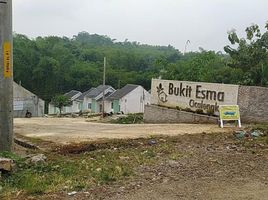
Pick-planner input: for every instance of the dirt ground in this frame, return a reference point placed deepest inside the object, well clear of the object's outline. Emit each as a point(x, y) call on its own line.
point(216, 170)
point(212, 166)
point(68, 130)
point(215, 166)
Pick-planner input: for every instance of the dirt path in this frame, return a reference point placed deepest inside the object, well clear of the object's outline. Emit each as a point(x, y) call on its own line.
point(66, 130)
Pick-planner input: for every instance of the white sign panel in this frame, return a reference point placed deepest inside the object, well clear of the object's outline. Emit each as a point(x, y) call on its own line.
point(193, 95)
point(17, 105)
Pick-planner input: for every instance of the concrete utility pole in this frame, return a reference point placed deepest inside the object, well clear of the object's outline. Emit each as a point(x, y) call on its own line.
point(103, 92)
point(186, 44)
point(6, 76)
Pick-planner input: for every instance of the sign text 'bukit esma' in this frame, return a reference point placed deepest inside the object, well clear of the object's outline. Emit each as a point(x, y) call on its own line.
point(193, 95)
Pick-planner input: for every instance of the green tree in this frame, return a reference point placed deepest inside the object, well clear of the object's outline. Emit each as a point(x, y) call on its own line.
point(59, 101)
point(199, 66)
point(250, 54)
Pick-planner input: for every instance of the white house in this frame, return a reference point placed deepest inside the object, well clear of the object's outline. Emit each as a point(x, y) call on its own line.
point(73, 108)
point(24, 100)
point(92, 99)
point(76, 103)
point(86, 100)
point(129, 99)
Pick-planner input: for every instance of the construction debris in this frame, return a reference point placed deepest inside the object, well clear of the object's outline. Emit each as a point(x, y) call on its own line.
point(248, 134)
point(37, 159)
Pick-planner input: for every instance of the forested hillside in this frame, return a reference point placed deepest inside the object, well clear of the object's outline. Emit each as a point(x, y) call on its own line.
point(54, 65)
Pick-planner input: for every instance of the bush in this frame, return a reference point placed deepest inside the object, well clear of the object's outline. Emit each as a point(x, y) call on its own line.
point(199, 111)
point(130, 119)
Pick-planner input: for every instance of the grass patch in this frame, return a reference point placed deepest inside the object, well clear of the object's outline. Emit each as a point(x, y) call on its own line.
point(262, 127)
point(10, 155)
point(262, 140)
point(81, 169)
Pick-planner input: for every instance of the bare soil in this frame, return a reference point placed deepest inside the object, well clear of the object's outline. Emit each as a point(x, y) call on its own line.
point(214, 166)
point(70, 130)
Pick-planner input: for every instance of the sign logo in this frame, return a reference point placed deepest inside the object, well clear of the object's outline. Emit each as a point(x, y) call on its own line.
point(162, 96)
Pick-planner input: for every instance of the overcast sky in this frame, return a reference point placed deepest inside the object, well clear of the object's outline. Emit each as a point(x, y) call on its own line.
point(159, 22)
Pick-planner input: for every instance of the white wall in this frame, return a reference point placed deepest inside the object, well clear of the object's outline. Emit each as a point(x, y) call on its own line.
point(135, 101)
point(52, 109)
point(107, 104)
point(86, 101)
point(25, 100)
point(74, 108)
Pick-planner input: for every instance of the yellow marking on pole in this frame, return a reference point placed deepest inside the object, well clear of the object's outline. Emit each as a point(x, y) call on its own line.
point(7, 60)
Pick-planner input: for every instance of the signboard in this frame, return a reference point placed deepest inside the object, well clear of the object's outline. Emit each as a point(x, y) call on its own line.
point(229, 112)
point(193, 95)
point(17, 105)
point(7, 60)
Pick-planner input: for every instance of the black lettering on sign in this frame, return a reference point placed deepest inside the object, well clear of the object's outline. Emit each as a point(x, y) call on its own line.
point(221, 96)
point(170, 89)
point(182, 90)
point(211, 95)
point(191, 103)
point(198, 92)
point(4, 2)
point(176, 91)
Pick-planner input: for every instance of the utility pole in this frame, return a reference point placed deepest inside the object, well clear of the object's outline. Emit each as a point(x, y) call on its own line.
point(103, 92)
point(6, 76)
point(186, 44)
point(119, 84)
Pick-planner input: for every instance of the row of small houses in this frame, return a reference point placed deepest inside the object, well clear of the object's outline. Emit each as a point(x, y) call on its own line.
point(129, 99)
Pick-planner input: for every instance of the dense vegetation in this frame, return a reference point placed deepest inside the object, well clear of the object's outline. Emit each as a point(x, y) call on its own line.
point(53, 65)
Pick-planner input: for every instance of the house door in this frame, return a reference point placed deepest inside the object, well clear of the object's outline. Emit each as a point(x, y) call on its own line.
point(116, 106)
point(100, 107)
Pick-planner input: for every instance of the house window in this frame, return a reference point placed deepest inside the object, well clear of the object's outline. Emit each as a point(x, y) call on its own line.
point(89, 105)
point(112, 105)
